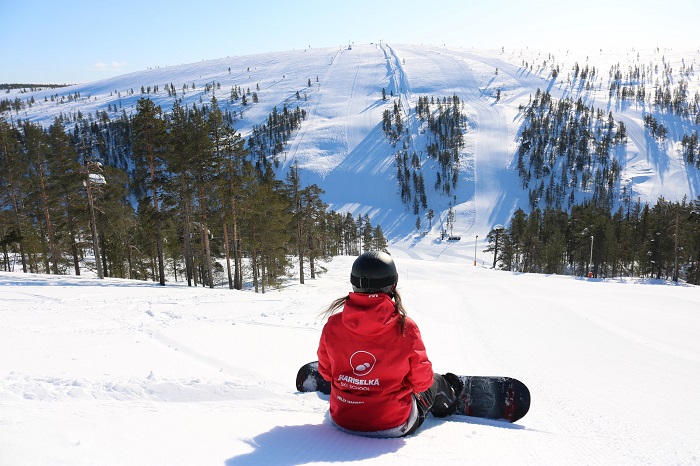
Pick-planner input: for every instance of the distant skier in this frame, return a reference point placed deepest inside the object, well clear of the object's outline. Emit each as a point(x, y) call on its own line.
point(382, 382)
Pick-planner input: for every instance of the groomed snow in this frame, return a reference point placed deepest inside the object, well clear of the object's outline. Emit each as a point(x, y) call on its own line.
point(125, 372)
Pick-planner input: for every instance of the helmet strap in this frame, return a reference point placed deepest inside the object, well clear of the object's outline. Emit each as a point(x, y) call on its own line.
point(364, 282)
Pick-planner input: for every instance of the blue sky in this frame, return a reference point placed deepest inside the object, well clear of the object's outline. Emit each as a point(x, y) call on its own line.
point(71, 41)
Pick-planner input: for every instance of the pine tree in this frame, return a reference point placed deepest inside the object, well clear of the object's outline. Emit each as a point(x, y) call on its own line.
point(516, 234)
point(267, 219)
point(205, 166)
point(85, 140)
point(294, 187)
point(350, 235)
point(450, 219)
point(12, 186)
point(379, 241)
point(115, 222)
point(66, 183)
point(234, 168)
point(367, 232)
point(180, 192)
point(149, 151)
point(37, 151)
point(314, 225)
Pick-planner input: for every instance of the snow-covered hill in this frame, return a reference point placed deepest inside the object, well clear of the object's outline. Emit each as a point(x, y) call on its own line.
point(342, 148)
point(126, 372)
point(117, 372)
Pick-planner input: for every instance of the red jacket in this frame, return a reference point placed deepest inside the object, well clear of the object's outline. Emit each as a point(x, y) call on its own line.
point(372, 367)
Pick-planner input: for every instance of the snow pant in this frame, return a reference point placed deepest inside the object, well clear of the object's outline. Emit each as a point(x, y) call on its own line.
point(440, 400)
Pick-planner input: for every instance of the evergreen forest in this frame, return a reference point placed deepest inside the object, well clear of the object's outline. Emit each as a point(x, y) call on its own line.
point(181, 195)
point(157, 196)
point(660, 241)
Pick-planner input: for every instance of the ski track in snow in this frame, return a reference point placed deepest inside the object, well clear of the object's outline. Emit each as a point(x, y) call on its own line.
point(342, 148)
point(125, 372)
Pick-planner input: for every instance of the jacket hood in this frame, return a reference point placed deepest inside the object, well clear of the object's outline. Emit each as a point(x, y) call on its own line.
point(369, 314)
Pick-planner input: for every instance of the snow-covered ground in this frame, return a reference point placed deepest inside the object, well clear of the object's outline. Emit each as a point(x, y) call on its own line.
point(118, 372)
point(126, 372)
point(341, 146)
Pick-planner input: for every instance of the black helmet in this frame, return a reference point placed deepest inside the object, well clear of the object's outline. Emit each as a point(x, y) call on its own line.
point(373, 272)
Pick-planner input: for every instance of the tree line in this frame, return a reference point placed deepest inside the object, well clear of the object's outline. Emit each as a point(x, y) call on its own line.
point(659, 241)
point(181, 196)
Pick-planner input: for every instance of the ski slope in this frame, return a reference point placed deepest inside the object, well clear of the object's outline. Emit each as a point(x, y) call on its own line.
point(341, 145)
point(119, 372)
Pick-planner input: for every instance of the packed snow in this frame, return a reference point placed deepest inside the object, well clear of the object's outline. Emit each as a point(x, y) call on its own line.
point(128, 372)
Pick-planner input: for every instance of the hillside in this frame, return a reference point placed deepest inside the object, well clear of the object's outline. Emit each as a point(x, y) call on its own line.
point(341, 145)
point(127, 372)
point(124, 371)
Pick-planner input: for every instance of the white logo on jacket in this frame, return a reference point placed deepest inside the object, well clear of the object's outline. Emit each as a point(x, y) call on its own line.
point(362, 363)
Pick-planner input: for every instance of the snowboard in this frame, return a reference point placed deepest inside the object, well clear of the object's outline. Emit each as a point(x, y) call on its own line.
point(497, 398)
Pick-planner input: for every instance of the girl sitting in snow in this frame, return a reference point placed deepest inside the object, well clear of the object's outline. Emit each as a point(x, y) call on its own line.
point(382, 382)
